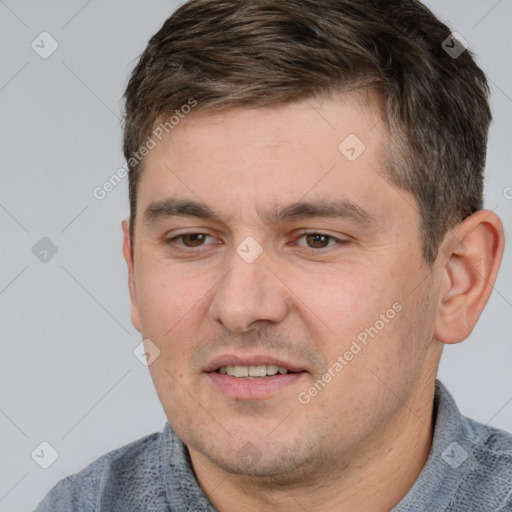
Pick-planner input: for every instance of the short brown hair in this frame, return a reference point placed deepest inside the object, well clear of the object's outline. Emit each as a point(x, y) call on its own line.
point(251, 53)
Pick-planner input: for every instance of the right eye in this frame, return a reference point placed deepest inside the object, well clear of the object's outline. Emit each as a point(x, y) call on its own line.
point(185, 241)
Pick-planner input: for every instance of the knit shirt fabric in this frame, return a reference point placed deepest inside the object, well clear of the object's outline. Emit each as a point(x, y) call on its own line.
point(469, 469)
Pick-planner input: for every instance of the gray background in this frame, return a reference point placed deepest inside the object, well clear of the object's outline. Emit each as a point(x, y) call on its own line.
point(69, 376)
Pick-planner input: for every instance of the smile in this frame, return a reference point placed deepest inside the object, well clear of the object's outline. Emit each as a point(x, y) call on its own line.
point(252, 372)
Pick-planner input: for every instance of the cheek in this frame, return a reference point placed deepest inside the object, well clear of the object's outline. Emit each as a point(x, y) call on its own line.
point(343, 303)
point(166, 295)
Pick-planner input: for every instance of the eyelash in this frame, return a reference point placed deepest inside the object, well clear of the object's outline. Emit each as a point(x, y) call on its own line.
point(190, 250)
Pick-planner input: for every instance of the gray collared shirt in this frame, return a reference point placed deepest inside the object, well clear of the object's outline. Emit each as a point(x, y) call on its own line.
point(469, 469)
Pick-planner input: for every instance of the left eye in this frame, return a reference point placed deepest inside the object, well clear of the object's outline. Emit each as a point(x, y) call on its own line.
point(318, 240)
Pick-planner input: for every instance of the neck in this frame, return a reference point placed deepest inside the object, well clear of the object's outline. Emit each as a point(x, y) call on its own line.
point(374, 477)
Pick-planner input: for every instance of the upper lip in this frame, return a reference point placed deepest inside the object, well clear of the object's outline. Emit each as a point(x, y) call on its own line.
point(256, 360)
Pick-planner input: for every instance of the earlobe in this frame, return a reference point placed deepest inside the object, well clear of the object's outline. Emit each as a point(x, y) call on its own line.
point(130, 262)
point(470, 260)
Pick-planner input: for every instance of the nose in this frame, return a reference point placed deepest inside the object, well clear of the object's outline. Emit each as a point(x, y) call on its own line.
point(248, 295)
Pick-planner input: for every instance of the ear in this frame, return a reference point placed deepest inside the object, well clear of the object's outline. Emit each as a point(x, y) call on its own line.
point(129, 258)
point(470, 258)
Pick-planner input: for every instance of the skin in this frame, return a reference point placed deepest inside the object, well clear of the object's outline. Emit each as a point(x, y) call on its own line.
point(360, 443)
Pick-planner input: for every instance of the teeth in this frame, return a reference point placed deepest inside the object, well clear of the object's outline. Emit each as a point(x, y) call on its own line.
point(272, 369)
point(238, 371)
point(252, 371)
point(256, 371)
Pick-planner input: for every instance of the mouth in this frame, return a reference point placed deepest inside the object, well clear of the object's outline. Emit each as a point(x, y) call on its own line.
point(253, 372)
point(252, 378)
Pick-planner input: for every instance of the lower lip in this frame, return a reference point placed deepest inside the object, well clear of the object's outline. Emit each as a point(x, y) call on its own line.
point(253, 389)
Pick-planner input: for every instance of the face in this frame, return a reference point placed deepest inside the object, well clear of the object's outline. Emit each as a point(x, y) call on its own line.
point(269, 240)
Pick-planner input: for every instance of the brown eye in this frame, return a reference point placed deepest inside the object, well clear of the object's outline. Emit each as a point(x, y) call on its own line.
point(193, 239)
point(317, 241)
point(190, 243)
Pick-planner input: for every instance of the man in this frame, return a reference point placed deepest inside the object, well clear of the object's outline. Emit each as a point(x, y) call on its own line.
point(306, 233)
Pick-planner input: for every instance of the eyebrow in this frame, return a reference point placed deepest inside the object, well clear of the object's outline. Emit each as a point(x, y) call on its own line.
point(325, 208)
point(318, 208)
point(171, 207)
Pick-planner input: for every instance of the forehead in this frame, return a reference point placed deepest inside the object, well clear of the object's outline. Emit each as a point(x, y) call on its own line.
point(257, 158)
point(305, 121)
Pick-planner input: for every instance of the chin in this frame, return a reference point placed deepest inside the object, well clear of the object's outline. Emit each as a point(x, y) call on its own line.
point(279, 460)
point(269, 467)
